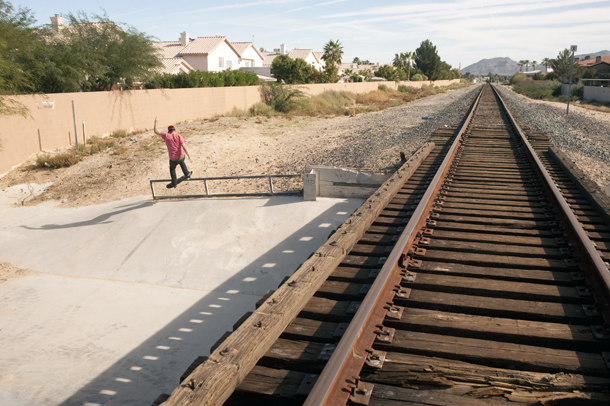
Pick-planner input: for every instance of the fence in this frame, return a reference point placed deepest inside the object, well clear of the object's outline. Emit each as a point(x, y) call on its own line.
point(51, 124)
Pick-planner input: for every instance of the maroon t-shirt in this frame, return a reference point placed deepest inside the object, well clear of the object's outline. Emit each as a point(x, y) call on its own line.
point(174, 143)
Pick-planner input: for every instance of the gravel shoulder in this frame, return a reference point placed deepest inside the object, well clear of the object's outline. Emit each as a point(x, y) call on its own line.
point(584, 135)
point(246, 146)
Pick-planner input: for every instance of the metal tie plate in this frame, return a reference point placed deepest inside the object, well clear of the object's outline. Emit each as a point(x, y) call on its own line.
point(340, 330)
point(307, 384)
point(326, 352)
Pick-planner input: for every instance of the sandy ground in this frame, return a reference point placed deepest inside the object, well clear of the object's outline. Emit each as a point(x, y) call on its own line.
point(221, 147)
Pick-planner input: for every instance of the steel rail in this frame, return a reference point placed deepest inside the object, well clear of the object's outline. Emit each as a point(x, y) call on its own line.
point(348, 357)
point(272, 192)
point(586, 247)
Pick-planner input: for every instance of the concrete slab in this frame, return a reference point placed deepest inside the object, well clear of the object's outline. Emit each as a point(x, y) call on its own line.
point(128, 294)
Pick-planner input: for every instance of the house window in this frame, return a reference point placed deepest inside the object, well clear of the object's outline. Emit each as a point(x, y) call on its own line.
point(221, 62)
point(248, 63)
point(229, 64)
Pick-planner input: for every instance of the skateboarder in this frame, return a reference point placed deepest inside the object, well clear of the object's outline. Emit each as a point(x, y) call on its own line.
point(175, 145)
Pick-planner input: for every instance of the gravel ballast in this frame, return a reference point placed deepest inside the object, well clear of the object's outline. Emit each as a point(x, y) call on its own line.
point(374, 141)
point(584, 135)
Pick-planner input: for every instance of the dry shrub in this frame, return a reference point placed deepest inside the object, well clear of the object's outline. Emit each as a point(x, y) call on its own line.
point(95, 145)
point(331, 103)
point(236, 112)
point(261, 109)
point(119, 134)
point(60, 160)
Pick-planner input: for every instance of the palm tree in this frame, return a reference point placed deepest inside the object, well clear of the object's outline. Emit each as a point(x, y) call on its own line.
point(409, 59)
point(399, 61)
point(333, 51)
point(527, 64)
point(534, 65)
point(546, 62)
point(521, 63)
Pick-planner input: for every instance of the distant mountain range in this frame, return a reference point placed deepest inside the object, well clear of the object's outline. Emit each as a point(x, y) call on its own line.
point(500, 66)
point(506, 66)
point(593, 55)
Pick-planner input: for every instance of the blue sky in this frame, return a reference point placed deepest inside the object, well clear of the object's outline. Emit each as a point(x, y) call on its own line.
point(463, 31)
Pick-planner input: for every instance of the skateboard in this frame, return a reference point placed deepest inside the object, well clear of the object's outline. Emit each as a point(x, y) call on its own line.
point(178, 181)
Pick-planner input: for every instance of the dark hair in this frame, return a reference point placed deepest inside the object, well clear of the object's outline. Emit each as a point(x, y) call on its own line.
point(171, 128)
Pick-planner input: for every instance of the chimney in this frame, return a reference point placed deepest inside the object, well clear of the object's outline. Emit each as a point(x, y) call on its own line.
point(57, 22)
point(184, 38)
point(576, 60)
point(598, 59)
point(283, 49)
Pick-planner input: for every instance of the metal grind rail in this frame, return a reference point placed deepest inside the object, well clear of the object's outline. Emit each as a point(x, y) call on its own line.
point(494, 303)
point(272, 191)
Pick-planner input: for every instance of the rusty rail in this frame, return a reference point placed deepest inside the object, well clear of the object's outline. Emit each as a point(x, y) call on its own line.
point(353, 349)
point(586, 248)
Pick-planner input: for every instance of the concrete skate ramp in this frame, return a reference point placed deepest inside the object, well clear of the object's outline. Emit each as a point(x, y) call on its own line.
point(126, 295)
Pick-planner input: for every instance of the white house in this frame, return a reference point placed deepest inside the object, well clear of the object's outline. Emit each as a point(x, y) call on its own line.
point(314, 59)
point(211, 54)
point(250, 57)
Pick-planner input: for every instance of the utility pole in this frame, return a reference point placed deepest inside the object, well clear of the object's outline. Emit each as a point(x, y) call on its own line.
point(573, 49)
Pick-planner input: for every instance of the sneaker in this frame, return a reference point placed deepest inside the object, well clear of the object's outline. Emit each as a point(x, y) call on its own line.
point(188, 175)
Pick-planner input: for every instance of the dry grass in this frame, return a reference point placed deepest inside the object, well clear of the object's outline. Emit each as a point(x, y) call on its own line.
point(603, 107)
point(333, 103)
point(60, 160)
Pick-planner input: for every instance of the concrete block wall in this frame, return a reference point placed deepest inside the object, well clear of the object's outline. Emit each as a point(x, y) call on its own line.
point(329, 181)
point(597, 93)
point(105, 112)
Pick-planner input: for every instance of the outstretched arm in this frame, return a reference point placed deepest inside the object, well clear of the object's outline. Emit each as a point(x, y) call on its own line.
point(156, 132)
point(187, 153)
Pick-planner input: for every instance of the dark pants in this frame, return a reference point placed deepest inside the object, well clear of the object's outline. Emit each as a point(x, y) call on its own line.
point(172, 168)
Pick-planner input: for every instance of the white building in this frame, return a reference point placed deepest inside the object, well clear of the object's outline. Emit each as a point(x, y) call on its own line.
point(250, 57)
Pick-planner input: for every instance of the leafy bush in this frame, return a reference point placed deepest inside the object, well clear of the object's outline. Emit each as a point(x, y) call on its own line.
point(518, 77)
point(544, 92)
point(383, 88)
point(405, 89)
point(203, 79)
point(280, 97)
point(418, 77)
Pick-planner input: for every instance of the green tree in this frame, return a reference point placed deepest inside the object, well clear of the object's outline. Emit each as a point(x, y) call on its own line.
point(109, 53)
point(18, 43)
point(546, 62)
point(333, 52)
point(366, 73)
point(409, 59)
point(399, 61)
point(534, 65)
point(427, 59)
point(291, 70)
point(356, 60)
point(521, 63)
point(561, 66)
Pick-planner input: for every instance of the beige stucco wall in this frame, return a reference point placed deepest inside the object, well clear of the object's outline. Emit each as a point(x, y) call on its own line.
point(105, 112)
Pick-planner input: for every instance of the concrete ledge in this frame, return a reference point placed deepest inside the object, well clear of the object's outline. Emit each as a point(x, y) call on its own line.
point(330, 181)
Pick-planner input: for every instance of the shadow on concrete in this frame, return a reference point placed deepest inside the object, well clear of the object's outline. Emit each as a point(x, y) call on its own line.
point(155, 366)
point(101, 219)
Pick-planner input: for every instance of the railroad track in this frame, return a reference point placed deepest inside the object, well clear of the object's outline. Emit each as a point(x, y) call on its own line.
point(480, 280)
